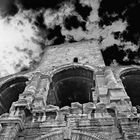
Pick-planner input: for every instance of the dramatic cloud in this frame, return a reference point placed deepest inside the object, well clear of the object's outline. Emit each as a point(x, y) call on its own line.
point(27, 27)
point(19, 44)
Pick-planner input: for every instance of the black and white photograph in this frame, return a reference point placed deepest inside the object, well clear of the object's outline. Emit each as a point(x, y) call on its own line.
point(69, 69)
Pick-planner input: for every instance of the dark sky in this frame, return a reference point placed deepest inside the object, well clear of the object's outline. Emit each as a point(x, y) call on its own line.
point(113, 23)
point(109, 11)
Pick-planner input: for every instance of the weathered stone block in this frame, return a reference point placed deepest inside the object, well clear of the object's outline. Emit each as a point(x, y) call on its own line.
point(76, 108)
point(62, 113)
point(88, 107)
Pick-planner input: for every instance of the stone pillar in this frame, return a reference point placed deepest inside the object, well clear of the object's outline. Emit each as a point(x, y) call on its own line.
point(88, 108)
point(31, 89)
point(42, 91)
point(63, 113)
point(110, 80)
point(101, 89)
point(115, 90)
point(44, 85)
point(39, 102)
point(76, 108)
point(33, 85)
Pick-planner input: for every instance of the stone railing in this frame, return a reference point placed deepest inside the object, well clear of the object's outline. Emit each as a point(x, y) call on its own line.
point(87, 110)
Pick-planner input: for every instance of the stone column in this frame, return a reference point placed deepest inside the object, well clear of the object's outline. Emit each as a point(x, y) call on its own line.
point(115, 90)
point(33, 85)
point(101, 89)
point(88, 108)
point(43, 87)
point(110, 80)
point(39, 102)
point(62, 113)
point(76, 108)
point(31, 89)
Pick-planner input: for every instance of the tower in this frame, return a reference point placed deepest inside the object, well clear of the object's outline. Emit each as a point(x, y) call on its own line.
point(71, 95)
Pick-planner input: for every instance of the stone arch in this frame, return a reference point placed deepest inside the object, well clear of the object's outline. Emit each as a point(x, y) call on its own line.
point(71, 65)
point(75, 135)
point(71, 84)
point(131, 80)
point(9, 92)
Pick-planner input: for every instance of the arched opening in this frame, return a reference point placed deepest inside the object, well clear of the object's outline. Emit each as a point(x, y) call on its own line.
point(75, 60)
point(9, 92)
point(131, 82)
point(71, 85)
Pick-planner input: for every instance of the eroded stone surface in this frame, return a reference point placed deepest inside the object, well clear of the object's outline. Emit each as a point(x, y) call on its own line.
point(37, 114)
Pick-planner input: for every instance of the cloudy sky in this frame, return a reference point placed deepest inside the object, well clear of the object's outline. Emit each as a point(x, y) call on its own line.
point(27, 27)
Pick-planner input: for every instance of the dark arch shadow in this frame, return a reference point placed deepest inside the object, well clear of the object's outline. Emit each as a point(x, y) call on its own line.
point(131, 82)
point(71, 85)
point(9, 92)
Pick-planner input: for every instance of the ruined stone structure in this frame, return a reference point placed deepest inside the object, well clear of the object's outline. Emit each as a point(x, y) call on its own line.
point(71, 95)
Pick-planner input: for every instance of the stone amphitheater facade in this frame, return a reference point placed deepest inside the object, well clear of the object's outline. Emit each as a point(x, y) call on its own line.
point(71, 95)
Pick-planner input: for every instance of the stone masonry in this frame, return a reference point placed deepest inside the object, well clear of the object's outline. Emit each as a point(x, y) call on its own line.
point(106, 113)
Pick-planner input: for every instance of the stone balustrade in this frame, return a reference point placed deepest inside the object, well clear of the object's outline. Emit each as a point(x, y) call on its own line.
point(87, 110)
